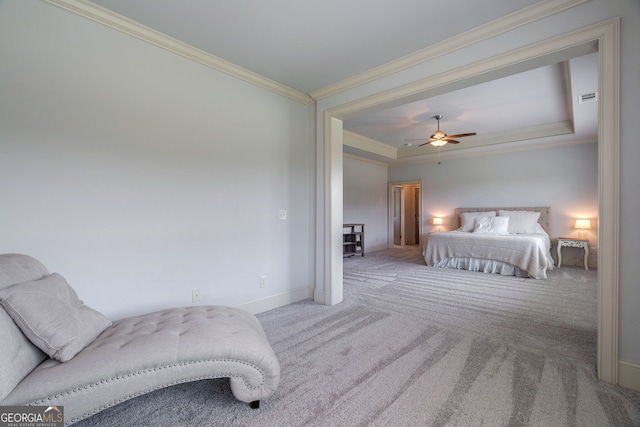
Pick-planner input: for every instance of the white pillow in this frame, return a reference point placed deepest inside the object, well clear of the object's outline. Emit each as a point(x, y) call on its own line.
point(521, 222)
point(540, 229)
point(468, 219)
point(492, 225)
point(50, 314)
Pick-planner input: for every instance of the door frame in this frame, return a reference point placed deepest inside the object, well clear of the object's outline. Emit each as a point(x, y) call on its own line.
point(394, 206)
point(418, 208)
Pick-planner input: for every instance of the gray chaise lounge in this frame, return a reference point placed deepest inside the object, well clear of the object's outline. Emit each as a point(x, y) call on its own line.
point(129, 357)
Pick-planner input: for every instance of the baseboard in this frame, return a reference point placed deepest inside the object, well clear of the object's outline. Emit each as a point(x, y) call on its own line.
point(279, 300)
point(318, 296)
point(629, 375)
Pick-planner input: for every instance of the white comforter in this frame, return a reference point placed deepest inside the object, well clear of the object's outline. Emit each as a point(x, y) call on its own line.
point(529, 252)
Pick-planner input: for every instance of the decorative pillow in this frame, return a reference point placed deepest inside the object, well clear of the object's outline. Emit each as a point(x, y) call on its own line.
point(50, 314)
point(493, 225)
point(521, 222)
point(468, 219)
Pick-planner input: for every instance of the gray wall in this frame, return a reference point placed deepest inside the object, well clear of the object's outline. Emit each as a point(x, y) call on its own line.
point(365, 200)
point(140, 175)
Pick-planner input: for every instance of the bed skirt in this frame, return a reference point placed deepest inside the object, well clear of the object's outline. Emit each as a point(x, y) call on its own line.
point(485, 266)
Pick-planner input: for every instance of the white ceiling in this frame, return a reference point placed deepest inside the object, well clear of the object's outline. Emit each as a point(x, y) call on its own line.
point(310, 45)
point(474, 109)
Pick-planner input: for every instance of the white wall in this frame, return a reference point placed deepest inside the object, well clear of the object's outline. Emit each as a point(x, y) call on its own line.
point(629, 292)
point(577, 17)
point(564, 178)
point(366, 200)
point(140, 175)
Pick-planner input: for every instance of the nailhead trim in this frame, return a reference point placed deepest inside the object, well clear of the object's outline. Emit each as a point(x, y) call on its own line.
point(151, 370)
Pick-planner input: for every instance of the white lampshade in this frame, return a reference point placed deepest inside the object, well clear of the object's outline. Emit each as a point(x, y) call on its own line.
point(437, 221)
point(583, 224)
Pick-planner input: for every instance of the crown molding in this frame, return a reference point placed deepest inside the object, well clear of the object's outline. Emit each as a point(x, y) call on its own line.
point(106, 17)
point(514, 20)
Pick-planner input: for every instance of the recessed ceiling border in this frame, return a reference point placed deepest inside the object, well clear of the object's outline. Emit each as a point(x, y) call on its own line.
point(507, 23)
point(489, 150)
point(360, 142)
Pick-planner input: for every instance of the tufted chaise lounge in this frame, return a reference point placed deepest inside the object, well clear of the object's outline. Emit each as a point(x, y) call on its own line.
point(134, 355)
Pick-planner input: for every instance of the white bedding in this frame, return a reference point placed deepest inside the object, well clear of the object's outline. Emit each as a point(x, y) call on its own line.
point(490, 252)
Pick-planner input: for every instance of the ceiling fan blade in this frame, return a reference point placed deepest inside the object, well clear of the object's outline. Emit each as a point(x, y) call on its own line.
point(452, 141)
point(418, 139)
point(428, 142)
point(460, 135)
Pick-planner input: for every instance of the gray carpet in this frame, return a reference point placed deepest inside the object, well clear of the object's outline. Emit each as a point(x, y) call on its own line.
point(418, 346)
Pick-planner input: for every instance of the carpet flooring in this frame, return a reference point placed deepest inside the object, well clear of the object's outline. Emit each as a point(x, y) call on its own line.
point(418, 346)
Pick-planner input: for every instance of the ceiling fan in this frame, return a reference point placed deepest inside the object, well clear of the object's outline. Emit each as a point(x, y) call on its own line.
point(439, 138)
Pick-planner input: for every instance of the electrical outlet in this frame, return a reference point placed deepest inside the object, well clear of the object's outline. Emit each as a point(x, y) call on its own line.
point(263, 281)
point(195, 295)
point(282, 214)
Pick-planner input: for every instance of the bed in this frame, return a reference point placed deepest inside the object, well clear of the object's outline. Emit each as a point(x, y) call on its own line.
point(507, 241)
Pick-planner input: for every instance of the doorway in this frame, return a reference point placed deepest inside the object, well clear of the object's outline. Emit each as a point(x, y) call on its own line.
point(606, 36)
point(405, 207)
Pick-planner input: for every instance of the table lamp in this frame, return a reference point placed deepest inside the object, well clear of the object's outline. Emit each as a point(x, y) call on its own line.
point(583, 225)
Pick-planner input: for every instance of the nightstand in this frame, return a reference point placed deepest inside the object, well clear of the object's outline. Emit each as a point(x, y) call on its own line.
point(567, 242)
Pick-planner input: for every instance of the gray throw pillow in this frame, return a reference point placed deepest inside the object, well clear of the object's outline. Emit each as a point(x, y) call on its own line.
point(50, 314)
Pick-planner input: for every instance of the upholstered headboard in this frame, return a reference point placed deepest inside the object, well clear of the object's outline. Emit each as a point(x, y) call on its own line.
point(544, 220)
